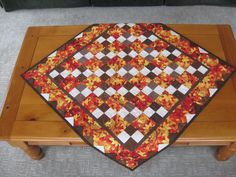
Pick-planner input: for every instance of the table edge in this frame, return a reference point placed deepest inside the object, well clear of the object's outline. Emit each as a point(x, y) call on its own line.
point(12, 100)
point(229, 46)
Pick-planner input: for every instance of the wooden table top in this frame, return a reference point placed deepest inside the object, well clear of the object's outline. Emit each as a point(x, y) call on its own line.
point(26, 117)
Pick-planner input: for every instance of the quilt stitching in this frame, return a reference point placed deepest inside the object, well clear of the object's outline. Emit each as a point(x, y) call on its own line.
point(166, 133)
point(109, 70)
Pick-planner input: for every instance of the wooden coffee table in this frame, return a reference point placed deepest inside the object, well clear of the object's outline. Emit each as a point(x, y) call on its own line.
point(28, 122)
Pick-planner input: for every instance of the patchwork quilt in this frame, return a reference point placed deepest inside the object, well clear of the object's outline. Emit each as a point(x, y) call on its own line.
point(129, 90)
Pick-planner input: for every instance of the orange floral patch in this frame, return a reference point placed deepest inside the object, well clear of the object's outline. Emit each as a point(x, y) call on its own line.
point(95, 47)
point(166, 100)
point(93, 64)
point(140, 81)
point(116, 63)
point(69, 83)
point(138, 62)
point(92, 82)
point(159, 45)
point(116, 32)
point(136, 30)
point(161, 62)
point(71, 64)
point(142, 101)
point(117, 124)
point(119, 99)
point(138, 46)
point(111, 102)
point(143, 124)
point(92, 102)
point(164, 80)
point(116, 47)
point(116, 81)
point(184, 61)
point(187, 79)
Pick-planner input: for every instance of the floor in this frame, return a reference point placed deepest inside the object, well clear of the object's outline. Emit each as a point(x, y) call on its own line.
point(75, 161)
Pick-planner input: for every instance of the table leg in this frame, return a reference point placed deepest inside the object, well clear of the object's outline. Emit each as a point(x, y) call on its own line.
point(35, 152)
point(225, 152)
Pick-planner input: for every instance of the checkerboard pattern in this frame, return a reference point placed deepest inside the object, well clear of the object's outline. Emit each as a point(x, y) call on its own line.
point(125, 75)
point(114, 84)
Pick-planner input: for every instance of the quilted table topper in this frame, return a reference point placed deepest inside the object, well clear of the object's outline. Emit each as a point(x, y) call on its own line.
point(129, 90)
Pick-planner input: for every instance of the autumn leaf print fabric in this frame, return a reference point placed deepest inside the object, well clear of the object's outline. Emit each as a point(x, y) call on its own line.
point(127, 89)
